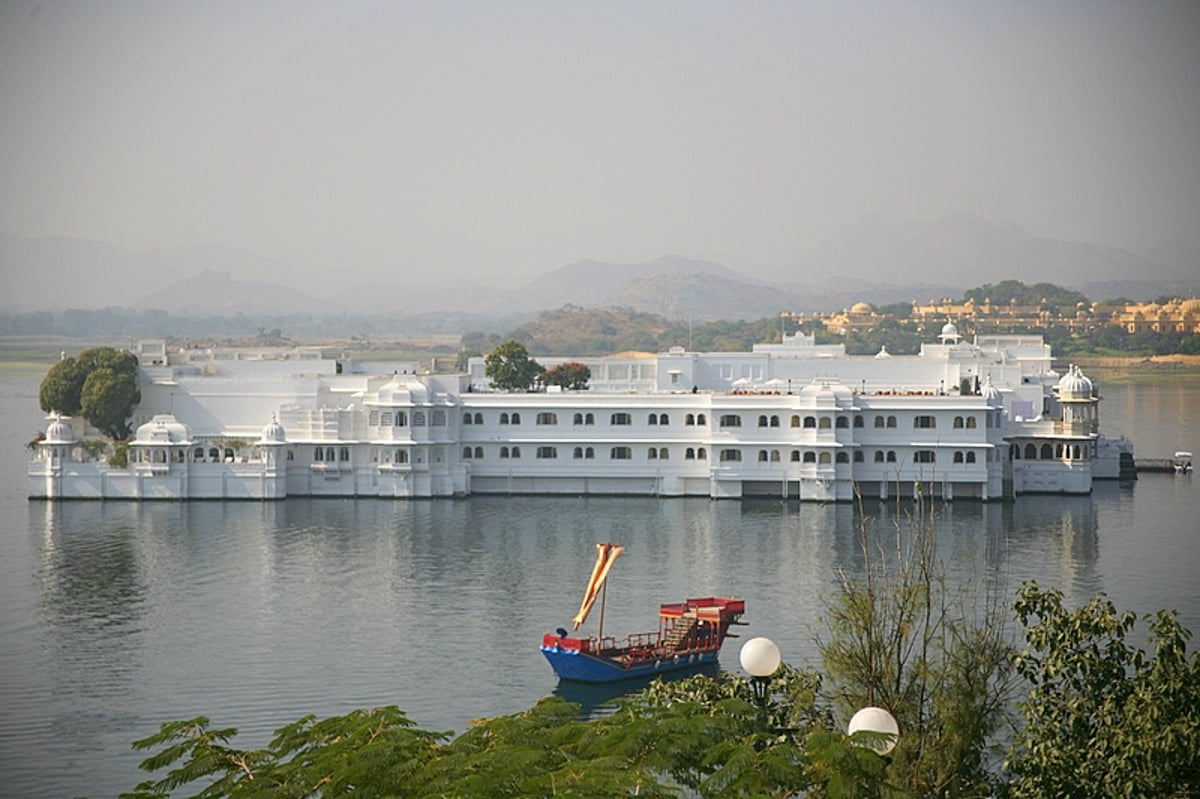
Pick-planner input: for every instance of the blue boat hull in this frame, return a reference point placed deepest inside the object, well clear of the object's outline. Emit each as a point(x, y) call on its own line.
point(570, 664)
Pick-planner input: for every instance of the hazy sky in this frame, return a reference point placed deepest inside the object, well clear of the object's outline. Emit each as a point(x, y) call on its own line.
point(458, 138)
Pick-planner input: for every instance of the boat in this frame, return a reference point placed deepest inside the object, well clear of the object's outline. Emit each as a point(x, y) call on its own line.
point(1183, 462)
point(689, 635)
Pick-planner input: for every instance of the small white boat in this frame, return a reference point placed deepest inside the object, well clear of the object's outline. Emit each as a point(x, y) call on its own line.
point(1183, 462)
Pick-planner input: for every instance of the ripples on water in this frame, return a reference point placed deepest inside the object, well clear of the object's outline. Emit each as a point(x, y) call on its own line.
point(119, 616)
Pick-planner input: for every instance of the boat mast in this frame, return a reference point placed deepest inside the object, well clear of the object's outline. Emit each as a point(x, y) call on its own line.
point(603, 600)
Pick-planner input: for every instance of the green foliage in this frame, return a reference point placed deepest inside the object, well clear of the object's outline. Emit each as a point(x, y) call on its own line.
point(1103, 718)
point(1007, 291)
point(120, 455)
point(100, 383)
point(899, 638)
point(510, 368)
point(570, 375)
point(107, 400)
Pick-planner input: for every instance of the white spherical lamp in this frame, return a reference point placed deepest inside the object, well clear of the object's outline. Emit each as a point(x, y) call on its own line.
point(876, 719)
point(760, 657)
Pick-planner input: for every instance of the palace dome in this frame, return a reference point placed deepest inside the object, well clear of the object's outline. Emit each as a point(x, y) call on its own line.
point(1074, 385)
point(163, 428)
point(860, 307)
point(949, 330)
point(273, 433)
point(59, 432)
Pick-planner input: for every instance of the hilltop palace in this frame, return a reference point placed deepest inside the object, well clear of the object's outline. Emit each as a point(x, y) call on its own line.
point(986, 420)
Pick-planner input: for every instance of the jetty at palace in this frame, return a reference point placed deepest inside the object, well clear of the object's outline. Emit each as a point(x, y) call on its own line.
point(986, 420)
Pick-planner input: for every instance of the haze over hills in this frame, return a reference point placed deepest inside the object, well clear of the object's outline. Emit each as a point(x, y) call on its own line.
point(869, 260)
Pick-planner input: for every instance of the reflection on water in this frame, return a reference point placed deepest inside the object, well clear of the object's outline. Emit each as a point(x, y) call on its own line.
point(119, 616)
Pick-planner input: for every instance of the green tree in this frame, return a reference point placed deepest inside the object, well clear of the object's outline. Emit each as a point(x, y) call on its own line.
point(900, 638)
point(1103, 718)
point(510, 368)
point(107, 401)
point(570, 375)
point(100, 383)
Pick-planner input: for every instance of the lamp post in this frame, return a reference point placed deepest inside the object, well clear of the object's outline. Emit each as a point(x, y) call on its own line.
point(876, 720)
point(760, 658)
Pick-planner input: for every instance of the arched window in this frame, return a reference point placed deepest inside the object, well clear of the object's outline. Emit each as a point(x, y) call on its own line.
point(795, 421)
point(958, 457)
point(402, 419)
point(858, 420)
point(478, 453)
point(730, 455)
point(810, 457)
point(843, 423)
point(810, 422)
point(401, 456)
point(762, 456)
point(689, 420)
point(701, 454)
point(1075, 451)
point(652, 454)
point(344, 454)
point(516, 419)
point(825, 423)
point(1031, 452)
point(879, 456)
point(1047, 452)
point(478, 418)
point(774, 456)
point(578, 453)
point(663, 419)
point(504, 453)
point(879, 421)
point(318, 454)
point(578, 419)
point(467, 453)
point(970, 422)
point(701, 420)
point(795, 456)
point(653, 419)
point(858, 456)
point(970, 457)
point(589, 453)
point(198, 454)
point(891, 456)
point(891, 421)
point(504, 418)
point(516, 452)
point(589, 418)
point(468, 419)
point(663, 454)
point(689, 454)
point(958, 422)
point(547, 418)
point(329, 455)
point(824, 457)
point(1058, 450)
point(762, 421)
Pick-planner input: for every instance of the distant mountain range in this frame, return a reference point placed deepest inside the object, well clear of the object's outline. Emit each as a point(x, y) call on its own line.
point(870, 260)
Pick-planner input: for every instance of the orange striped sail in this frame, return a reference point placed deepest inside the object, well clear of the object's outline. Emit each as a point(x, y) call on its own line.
point(606, 555)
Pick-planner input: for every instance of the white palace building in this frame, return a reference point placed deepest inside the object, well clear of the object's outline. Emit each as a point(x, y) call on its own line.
point(984, 420)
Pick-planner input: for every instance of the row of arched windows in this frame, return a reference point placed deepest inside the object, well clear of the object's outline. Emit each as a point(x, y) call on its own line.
point(1048, 452)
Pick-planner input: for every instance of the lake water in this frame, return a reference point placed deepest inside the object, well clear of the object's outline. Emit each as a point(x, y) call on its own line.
point(119, 616)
